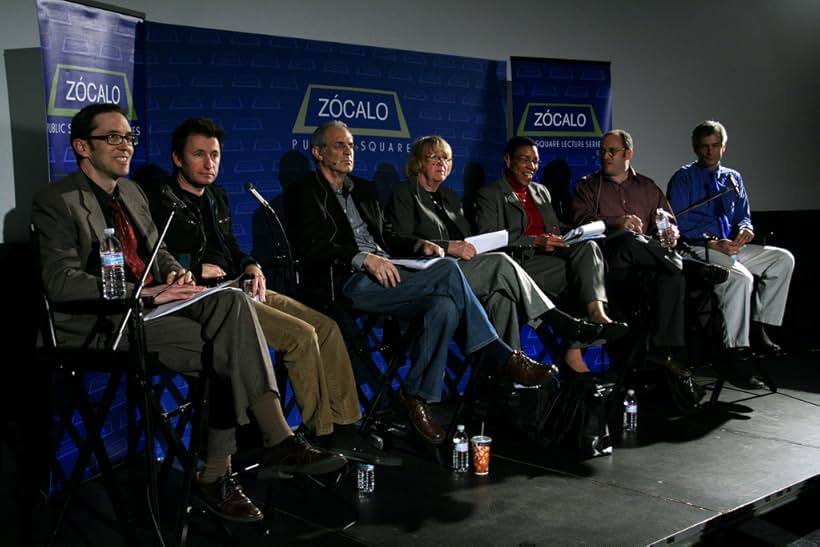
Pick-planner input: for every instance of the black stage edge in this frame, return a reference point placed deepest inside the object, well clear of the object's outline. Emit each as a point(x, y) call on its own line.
point(745, 471)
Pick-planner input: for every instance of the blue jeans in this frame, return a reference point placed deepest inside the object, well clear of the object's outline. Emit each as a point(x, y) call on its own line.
point(441, 297)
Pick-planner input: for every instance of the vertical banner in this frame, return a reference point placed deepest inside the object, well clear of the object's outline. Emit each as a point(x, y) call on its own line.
point(88, 57)
point(565, 107)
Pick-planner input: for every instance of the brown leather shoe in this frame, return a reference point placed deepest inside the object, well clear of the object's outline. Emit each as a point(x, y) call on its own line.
point(296, 455)
point(422, 419)
point(225, 499)
point(525, 371)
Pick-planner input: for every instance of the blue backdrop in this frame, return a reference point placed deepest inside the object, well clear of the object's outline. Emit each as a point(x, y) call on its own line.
point(269, 93)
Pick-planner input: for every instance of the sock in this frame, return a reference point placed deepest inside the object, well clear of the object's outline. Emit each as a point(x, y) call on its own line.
point(272, 423)
point(497, 351)
point(757, 330)
point(215, 467)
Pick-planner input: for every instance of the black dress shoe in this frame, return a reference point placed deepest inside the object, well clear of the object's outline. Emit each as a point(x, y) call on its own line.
point(766, 349)
point(225, 499)
point(614, 330)
point(296, 455)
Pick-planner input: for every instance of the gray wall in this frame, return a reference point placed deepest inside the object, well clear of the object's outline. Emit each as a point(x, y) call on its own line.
point(753, 64)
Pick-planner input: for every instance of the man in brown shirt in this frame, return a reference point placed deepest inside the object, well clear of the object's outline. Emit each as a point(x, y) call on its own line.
point(627, 202)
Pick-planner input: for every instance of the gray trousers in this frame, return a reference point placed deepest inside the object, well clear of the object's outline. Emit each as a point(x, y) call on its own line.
point(223, 325)
point(580, 266)
point(505, 290)
point(739, 301)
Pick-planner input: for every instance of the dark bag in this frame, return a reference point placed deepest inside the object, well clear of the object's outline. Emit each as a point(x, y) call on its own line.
point(570, 422)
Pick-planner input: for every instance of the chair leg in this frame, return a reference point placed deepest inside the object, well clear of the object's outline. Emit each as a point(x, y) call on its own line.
point(93, 444)
point(198, 426)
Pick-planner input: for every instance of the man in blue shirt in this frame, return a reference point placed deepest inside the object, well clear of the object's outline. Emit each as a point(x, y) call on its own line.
point(723, 230)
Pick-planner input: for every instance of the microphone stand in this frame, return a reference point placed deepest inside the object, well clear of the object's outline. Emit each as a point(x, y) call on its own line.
point(137, 340)
point(293, 272)
point(697, 205)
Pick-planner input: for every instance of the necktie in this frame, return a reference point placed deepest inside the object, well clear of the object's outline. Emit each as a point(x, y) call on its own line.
point(128, 241)
point(720, 211)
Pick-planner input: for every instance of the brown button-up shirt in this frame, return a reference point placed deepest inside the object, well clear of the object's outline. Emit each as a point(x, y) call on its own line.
point(596, 197)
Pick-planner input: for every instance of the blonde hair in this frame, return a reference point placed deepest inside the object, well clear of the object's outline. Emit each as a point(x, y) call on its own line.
point(423, 146)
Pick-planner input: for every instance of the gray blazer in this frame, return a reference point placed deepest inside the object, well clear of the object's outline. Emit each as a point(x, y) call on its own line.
point(497, 208)
point(412, 213)
point(70, 226)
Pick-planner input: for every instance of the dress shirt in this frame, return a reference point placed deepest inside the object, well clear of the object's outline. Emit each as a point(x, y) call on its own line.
point(691, 183)
point(597, 197)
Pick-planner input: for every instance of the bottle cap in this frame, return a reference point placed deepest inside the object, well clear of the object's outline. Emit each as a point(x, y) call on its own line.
point(630, 392)
point(460, 427)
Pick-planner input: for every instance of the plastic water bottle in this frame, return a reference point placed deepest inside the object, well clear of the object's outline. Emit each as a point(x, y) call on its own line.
point(366, 478)
point(663, 223)
point(461, 451)
point(113, 267)
point(630, 412)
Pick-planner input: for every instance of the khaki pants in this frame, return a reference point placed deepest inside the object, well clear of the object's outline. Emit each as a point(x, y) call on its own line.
point(316, 358)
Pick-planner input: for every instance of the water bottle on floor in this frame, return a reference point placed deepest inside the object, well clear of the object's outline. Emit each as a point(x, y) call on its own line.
point(113, 267)
point(630, 412)
point(461, 451)
point(366, 478)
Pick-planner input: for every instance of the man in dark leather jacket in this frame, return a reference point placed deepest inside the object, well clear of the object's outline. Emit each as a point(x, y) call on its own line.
point(201, 237)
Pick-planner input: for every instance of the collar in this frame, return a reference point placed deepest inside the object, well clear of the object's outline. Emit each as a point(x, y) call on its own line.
point(630, 174)
point(101, 194)
point(517, 188)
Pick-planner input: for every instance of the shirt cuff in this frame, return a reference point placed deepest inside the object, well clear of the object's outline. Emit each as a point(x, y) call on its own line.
point(357, 264)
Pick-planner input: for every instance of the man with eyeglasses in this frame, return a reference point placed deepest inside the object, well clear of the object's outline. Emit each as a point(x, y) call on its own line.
point(336, 224)
point(523, 207)
point(70, 216)
point(626, 201)
point(724, 225)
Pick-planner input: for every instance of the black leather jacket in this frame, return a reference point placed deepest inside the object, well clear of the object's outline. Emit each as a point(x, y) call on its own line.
point(186, 238)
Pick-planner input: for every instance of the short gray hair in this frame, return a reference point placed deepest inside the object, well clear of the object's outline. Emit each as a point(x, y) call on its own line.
point(318, 138)
point(709, 127)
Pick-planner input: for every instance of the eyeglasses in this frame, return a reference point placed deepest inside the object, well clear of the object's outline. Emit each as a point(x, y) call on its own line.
point(438, 159)
point(526, 160)
point(115, 139)
point(603, 152)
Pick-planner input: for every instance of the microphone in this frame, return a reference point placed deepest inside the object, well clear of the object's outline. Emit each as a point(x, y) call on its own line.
point(249, 187)
point(262, 201)
point(735, 187)
point(171, 198)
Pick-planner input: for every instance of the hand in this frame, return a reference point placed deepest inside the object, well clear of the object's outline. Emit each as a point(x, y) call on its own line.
point(383, 270)
point(743, 237)
point(171, 292)
point(428, 248)
point(549, 242)
point(212, 271)
point(461, 249)
point(181, 277)
point(725, 246)
point(630, 222)
point(258, 287)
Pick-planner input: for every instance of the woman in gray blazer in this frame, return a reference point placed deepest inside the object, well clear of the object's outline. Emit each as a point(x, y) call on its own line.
point(423, 208)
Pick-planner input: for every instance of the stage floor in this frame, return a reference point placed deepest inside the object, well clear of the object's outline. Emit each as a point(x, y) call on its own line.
point(685, 480)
